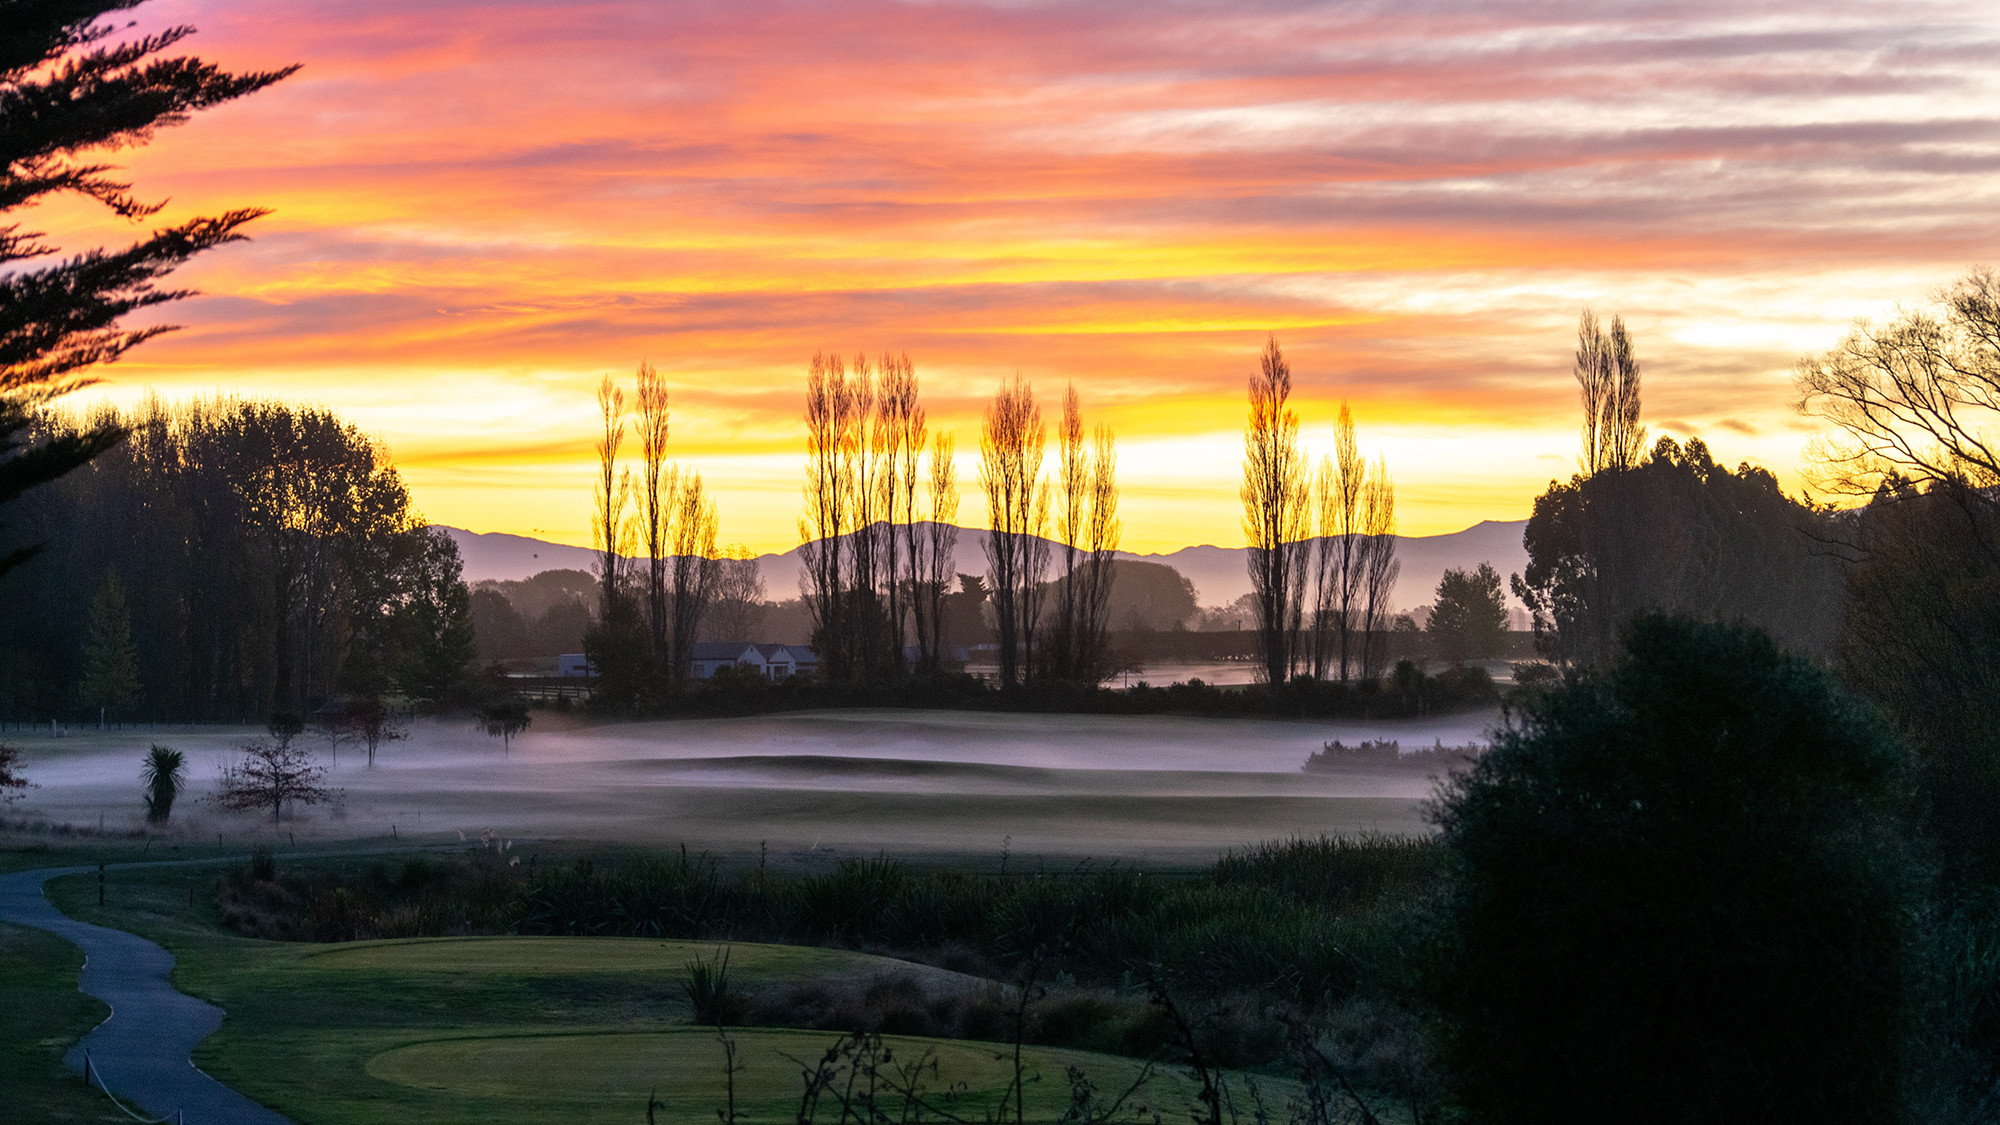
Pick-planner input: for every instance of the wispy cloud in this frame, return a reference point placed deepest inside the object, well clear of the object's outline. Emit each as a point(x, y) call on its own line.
point(482, 206)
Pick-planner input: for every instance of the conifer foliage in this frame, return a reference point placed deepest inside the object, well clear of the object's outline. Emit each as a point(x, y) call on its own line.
point(69, 93)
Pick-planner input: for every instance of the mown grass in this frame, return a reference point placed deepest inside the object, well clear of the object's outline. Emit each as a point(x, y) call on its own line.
point(41, 1014)
point(603, 1077)
point(412, 1029)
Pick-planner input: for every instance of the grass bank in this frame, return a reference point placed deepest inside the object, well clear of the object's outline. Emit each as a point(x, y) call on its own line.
point(41, 1015)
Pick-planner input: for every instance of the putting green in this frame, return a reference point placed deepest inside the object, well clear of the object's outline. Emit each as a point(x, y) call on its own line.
point(585, 1076)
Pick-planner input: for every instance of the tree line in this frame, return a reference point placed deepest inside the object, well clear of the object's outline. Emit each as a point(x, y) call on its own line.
point(878, 532)
point(228, 559)
point(1669, 530)
point(1898, 589)
point(878, 536)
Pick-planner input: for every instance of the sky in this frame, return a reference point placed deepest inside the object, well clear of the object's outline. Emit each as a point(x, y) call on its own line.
point(480, 209)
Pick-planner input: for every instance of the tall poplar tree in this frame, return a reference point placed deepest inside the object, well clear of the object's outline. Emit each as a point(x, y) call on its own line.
point(1276, 516)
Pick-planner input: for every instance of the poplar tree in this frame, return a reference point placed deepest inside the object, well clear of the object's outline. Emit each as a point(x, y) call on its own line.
point(67, 95)
point(1276, 515)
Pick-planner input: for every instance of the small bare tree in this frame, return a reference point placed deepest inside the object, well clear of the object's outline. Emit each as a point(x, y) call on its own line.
point(376, 723)
point(1101, 534)
point(1072, 509)
point(12, 785)
point(1342, 569)
point(272, 776)
point(335, 723)
point(899, 442)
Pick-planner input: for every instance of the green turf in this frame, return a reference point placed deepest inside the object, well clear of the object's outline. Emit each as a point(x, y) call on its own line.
point(605, 1077)
point(504, 1030)
point(41, 1015)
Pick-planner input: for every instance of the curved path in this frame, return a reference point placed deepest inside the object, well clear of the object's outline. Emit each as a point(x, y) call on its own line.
point(140, 1051)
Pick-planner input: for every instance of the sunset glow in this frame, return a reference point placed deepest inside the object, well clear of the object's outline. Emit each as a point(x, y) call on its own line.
point(480, 209)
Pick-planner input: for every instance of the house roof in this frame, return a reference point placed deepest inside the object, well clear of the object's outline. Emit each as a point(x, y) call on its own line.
point(745, 650)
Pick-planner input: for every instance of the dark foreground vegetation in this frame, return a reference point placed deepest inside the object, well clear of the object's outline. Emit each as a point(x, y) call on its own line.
point(1303, 927)
point(1708, 860)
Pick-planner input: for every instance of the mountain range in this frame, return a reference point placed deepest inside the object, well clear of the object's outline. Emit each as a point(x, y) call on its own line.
point(1220, 574)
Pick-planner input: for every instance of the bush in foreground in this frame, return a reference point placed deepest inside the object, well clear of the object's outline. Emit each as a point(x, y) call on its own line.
point(1682, 896)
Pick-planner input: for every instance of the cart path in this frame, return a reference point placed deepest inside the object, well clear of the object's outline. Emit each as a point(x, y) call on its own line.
point(141, 1050)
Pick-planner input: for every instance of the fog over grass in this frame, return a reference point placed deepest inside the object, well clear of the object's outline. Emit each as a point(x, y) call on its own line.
point(942, 782)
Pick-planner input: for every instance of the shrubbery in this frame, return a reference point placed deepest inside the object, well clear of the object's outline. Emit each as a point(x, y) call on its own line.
point(1305, 926)
point(1683, 894)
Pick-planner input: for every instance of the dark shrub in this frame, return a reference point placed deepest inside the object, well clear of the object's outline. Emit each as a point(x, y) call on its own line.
point(1683, 896)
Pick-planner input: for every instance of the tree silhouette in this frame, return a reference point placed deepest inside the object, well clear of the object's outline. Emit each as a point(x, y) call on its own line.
point(1469, 619)
point(69, 93)
point(1692, 864)
point(1277, 520)
point(273, 776)
point(12, 785)
point(111, 673)
point(164, 773)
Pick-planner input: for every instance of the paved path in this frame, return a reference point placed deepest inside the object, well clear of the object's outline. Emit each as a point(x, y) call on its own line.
point(141, 1051)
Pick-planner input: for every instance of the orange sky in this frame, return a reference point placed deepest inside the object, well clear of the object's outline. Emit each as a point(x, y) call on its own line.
point(480, 208)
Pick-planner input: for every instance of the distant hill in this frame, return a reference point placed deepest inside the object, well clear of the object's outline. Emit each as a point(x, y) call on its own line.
point(1220, 574)
point(510, 558)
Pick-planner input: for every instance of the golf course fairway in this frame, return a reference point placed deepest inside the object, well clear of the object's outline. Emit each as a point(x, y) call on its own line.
point(607, 1077)
point(521, 1030)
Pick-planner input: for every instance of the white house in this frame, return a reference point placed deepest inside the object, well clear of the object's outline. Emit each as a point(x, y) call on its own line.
point(773, 662)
